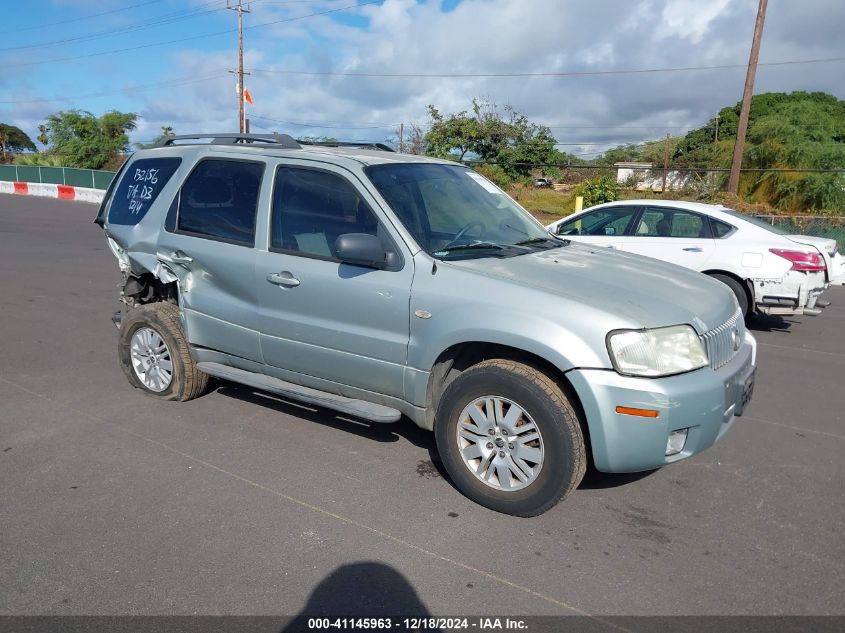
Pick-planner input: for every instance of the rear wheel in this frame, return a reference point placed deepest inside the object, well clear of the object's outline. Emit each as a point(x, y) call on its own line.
point(738, 290)
point(155, 355)
point(509, 438)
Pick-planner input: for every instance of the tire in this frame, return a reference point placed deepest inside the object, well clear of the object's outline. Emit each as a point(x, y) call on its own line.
point(738, 290)
point(560, 446)
point(140, 326)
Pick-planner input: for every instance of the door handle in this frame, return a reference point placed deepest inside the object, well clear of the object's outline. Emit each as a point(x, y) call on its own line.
point(693, 249)
point(284, 278)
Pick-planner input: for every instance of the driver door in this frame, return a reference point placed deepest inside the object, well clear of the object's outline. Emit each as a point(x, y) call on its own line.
point(322, 319)
point(603, 227)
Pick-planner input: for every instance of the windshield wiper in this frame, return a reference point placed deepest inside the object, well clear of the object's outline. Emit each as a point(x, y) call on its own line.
point(470, 246)
point(557, 241)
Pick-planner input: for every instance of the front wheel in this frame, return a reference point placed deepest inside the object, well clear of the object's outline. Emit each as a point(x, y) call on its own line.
point(509, 438)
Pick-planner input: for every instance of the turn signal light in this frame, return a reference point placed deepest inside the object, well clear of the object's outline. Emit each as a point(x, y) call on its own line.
point(643, 413)
point(805, 262)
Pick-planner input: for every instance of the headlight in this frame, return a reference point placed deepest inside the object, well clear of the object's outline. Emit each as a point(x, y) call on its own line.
point(659, 352)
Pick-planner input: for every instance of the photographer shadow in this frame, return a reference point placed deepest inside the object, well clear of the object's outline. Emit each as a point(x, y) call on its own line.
point(368, 589)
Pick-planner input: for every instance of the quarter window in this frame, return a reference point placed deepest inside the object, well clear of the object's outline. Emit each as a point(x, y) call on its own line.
point(720, 229)
point(219, 200)
point(663, 222)
point(312, 208)
point(139, 187)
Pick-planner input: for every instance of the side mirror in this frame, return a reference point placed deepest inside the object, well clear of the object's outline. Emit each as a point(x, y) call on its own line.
point(361, 249)
point(610, 230)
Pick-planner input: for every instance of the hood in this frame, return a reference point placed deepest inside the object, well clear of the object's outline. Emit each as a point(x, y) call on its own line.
point(823, 244)
point(637, 289)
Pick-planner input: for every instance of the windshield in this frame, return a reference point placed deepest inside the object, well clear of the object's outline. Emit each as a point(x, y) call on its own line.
point(755, 221)
point(454, 212)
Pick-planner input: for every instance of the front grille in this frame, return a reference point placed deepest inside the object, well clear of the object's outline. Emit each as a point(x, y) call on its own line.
point(721, 342)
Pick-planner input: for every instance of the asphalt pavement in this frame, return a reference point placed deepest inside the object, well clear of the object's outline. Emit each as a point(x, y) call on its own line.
point(241, 503)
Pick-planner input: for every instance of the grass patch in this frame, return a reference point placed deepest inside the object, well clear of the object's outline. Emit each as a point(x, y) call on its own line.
point(547, 205)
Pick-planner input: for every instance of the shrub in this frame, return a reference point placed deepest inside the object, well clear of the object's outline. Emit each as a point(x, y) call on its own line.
point(599, 190)
point(43, 159)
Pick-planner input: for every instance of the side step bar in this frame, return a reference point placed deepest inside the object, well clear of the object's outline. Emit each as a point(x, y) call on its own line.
point(359, 408)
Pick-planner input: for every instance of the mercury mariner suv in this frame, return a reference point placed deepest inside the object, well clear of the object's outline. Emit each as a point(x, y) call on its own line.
point(381, 284)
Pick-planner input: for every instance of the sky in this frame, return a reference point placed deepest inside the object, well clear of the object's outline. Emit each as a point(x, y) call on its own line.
point(314, 64)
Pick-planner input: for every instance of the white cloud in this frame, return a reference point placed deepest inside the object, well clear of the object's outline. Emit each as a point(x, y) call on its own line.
point(690, 19)
point(499, 36)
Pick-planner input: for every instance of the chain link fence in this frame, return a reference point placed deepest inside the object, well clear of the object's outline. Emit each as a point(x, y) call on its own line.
point(816, 225)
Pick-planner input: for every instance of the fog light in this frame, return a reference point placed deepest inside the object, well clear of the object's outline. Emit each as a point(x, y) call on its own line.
point(676, 442)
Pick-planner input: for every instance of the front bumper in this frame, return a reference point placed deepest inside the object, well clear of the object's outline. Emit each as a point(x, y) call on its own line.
point(704, 401)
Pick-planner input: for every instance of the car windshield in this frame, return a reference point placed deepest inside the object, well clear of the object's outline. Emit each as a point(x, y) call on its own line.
point(453, 212)
point(755, 221)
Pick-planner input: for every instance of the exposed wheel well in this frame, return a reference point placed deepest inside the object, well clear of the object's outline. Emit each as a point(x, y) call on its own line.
point(458, 358)
point(749, 289)
point(146, 288)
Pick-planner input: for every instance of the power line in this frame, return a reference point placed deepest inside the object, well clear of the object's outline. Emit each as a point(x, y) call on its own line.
point(329, 127)
point(85, 17)
point(166, 18)
point(190, 38)
point(586, 73)
point(188, 79)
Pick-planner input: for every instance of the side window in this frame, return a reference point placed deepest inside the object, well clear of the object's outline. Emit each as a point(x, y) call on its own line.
point(139, 187)
point(219, 200)
point(607, 221)
point(720, 229)
point(663, 222)
point(311, 209)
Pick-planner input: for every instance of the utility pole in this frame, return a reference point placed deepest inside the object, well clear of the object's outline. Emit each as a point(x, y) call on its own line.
point(241, 10)
point(712, 176)
point(401, 138)
point(665, 163)
point(742, 126)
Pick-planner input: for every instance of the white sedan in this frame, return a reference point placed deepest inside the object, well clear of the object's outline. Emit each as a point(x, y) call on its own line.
point(768, 271)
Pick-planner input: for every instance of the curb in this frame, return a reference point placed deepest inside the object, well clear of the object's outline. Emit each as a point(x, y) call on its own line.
point(47, 190)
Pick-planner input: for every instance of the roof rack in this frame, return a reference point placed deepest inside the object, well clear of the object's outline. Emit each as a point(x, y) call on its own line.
point(283, 140)
point(364, 145)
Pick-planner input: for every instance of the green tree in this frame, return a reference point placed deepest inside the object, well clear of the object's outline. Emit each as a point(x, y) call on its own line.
point(43, 136)
point(81, 139)
point(166, 131)
point(798, 130)
point(13, 139)
point(509, 140)
point(456, 134)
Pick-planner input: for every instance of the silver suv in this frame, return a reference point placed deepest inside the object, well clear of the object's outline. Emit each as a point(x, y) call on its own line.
point(381, 284)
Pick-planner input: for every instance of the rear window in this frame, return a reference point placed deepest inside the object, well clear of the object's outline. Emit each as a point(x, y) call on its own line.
point(138, 189)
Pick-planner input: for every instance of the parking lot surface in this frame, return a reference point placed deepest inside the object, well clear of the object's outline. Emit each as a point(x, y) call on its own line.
point(242, 503)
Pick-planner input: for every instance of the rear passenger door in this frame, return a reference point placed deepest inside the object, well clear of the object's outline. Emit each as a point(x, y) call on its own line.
point(209, 243)
point(678, 236)
point(323, 320)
